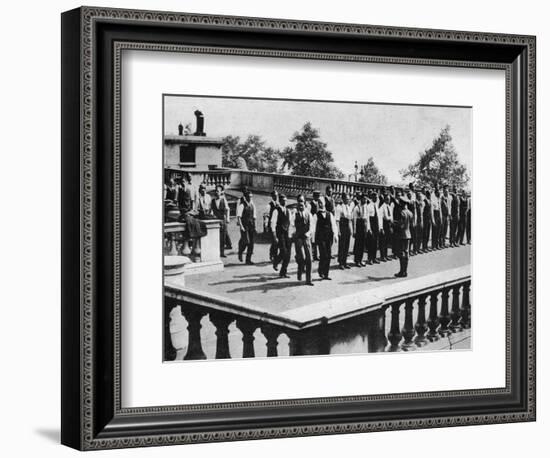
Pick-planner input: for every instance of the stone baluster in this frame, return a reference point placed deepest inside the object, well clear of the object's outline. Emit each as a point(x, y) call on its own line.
point(444, 315)
point(455, 310)
point(271, 334)
point(222, 321)
point(173, 248)
point(408, 328)
point(169, 350)
point(394, 336)
point(465, 310)
point(247, 328)
point(420, 326)
point(295, 344)
point(194, 346)
point(433, 320)
point(376, 330)
point(185, 250)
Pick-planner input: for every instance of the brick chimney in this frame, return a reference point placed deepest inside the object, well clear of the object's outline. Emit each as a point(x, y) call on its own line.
point(200, 124)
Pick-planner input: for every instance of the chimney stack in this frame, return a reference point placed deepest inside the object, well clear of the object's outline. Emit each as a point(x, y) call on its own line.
point(200, 124)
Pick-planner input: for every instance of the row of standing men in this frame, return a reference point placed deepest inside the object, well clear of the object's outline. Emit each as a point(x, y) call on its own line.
point(376, 221)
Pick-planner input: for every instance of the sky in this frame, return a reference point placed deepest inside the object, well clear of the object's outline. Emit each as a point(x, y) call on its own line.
point(393, 135)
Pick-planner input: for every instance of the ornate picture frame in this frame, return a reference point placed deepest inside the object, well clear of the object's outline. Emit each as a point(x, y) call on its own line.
point(92, 413)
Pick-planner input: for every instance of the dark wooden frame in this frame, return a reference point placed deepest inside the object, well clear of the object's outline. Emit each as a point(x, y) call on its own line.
point(92, 39)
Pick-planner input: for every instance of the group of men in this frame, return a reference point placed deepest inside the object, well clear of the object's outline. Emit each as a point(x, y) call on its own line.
point(407, 222)
point(196, 206)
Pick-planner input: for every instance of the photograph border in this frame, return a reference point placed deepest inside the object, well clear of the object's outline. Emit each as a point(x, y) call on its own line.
point(93, 40)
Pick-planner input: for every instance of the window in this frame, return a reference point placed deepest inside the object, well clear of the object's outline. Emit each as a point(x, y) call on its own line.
point(187, 153)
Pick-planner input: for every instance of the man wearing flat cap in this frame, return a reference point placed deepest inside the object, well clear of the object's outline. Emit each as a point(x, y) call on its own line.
point(314, 206)
point(403, 217)
point(280, 225)
point(271, 206)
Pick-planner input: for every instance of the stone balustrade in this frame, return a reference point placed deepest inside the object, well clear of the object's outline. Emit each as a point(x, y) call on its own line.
point(295, 185)
point(402, 316)
point(204, 252)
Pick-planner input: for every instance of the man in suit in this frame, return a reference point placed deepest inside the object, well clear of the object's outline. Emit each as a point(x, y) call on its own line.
point(324, 236)
point(314, 206)
point(454, 217)
point(372, 235)
point(469, 220)
point(403, 217)
point(280, 226)
point(271, 206)
point(203, 202)
point(445, 216)
point(344, 221)
point(436, 220)
point(302, 227)
point(386, 234)
point(246, 220)
point(361, 227)
point(427, 220)
point(330, 206)
point(462, 214)
point(419, 205)
point(185, 198)
point(415, 244)
point(220, 210)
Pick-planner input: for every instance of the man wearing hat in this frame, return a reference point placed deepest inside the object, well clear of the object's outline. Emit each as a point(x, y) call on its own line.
point(330, 206)
point(372, 235)
point(344, 221)
point(436, 222)
point(427, 220)
point(314, 206)
point(246, 220)
point(302, 224)
point(324, 235)
point(271, 206)
point(403, 217)
point(361, 226)
point(445, 216)
point(280, 225)
point(220, 210)
point(454, 217)
point(462, 213)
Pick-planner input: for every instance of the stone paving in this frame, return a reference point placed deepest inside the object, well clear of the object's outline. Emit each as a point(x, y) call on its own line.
point(261, 285)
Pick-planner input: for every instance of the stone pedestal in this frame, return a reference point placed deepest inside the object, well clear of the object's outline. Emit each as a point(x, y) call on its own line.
point(210, 243)
point(209, 251)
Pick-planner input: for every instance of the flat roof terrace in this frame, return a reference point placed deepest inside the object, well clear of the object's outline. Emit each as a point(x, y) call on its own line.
point(259, 288)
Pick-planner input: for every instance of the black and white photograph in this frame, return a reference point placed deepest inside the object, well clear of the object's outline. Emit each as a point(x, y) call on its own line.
point(314, 227)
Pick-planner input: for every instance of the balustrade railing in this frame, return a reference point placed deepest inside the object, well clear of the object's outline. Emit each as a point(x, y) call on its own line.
point(213, 178)
point(175, 242)
point(210, 178)
point(416, 319)
point(295, 185)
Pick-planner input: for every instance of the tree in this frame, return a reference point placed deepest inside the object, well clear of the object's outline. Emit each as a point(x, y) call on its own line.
point(371, 174)
point(309, 156)
point(230, 151)
point(253, 151)
point(438, 165)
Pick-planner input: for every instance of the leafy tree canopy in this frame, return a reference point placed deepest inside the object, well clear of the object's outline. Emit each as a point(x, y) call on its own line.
point(371, 174)
point(253, 151)
point(438, 165)
point(309, 155)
